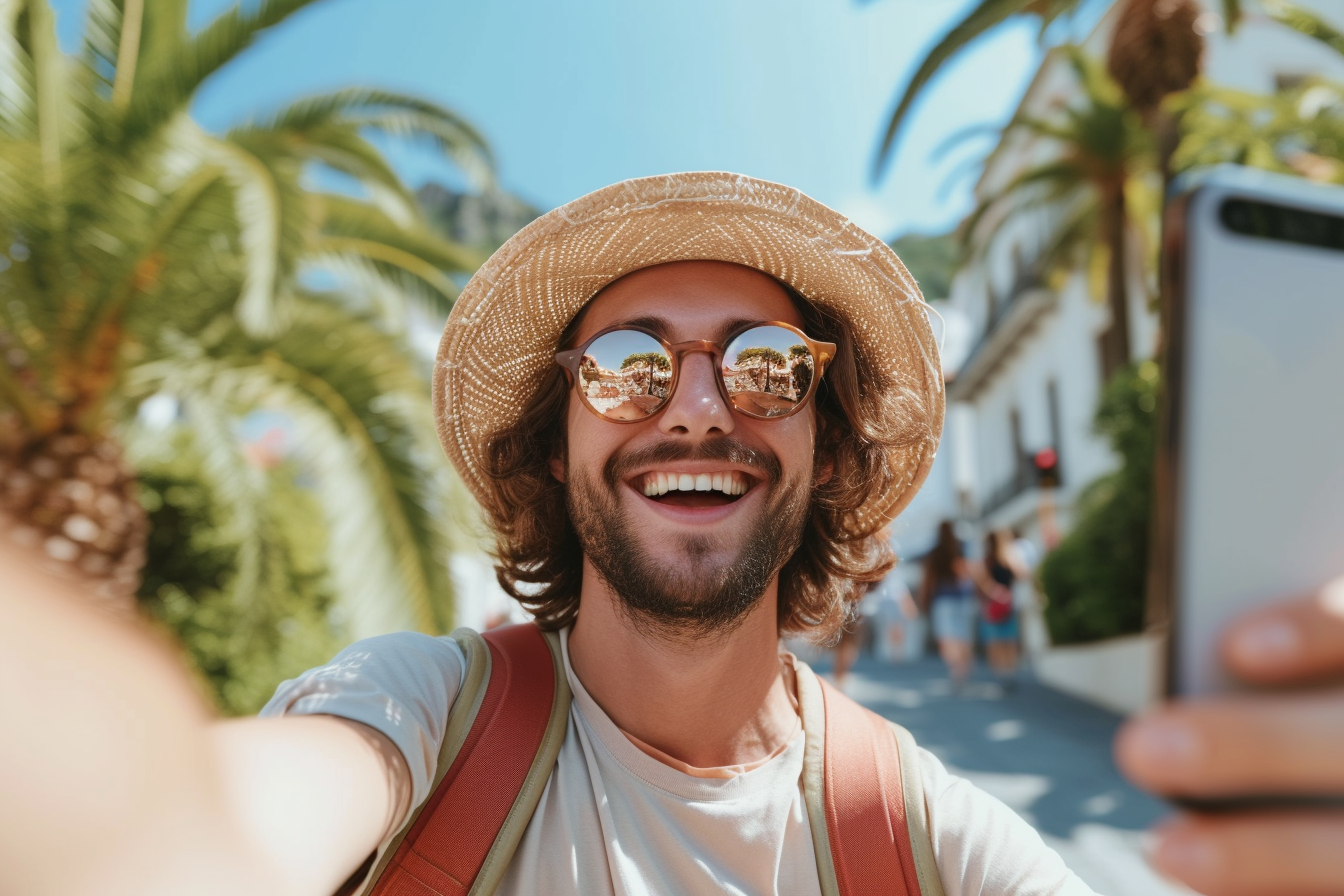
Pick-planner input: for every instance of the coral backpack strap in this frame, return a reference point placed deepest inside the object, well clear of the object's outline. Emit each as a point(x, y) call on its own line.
point(865, 798)
point(501, 744)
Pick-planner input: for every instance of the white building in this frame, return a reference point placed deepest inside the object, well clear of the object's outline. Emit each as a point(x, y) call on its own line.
point(1033, 375)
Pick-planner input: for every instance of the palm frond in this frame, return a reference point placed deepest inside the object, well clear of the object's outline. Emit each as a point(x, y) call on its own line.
point(1070, 239)
point(169, 79)
point(1042, 184)
point(332, 119)
point(359, 421)
point(102, 37)
point(376, 399)
point(986, 16)
point(343, 149)
point(410, 260)
point(344, 217)
point(124, 278)
point(211, 416)
point(258, 194)
point(165, 27)
point(1304, 21)
point(48, 65)
point(1276, 132)
point(18, 93)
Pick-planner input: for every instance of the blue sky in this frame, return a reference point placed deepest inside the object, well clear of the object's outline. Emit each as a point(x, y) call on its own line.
point(576, 95)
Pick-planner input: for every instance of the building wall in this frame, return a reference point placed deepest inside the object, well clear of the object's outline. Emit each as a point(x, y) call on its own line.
point(1061, 346)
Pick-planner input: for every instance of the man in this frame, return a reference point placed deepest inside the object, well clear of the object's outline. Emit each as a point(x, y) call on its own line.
point(671, 550)
point(672, 542)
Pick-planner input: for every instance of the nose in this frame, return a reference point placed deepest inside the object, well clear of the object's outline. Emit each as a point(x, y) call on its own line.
point(696, 408)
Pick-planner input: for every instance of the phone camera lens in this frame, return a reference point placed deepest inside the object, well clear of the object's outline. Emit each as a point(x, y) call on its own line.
point(1237, 217)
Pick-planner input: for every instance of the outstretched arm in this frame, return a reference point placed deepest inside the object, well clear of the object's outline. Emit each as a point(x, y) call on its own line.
point(117, 779)
point(1282, 743)
point(315, 794)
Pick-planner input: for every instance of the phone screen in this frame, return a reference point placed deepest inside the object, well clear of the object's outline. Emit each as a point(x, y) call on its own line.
point(1256, 406)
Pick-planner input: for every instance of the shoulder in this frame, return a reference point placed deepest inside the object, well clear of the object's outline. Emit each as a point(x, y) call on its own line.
point(402, 685)
point(984, 847)
point(396, 664)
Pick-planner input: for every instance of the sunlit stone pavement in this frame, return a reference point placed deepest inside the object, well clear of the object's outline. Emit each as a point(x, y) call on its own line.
point(1045, 754)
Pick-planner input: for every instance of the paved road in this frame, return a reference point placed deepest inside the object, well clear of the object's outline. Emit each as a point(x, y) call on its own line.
point(1045, 754)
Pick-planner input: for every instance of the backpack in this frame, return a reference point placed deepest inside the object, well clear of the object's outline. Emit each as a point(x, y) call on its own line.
point(861, 782)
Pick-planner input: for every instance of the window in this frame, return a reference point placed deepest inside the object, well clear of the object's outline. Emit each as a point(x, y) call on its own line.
point(1056, 437)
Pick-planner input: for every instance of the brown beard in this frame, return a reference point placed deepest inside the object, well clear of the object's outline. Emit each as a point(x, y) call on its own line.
point(693, 600)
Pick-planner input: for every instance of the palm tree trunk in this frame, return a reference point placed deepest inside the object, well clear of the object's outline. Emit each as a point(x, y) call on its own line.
point(1113, 225)
point(71, 497)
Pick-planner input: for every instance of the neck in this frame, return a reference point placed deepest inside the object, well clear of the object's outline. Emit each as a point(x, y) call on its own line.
point(712, 701)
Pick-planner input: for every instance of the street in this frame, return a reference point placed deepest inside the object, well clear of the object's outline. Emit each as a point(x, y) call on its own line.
point(1045, 754)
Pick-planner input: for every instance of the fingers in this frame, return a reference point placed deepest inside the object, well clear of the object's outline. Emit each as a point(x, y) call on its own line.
point(1286, 854)
point(1239, 746)
point(1295, 641)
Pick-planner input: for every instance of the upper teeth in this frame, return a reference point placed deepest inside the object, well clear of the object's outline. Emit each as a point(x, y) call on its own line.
point(662, 483)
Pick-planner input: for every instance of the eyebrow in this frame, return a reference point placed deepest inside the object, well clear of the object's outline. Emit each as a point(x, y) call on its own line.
point(660, 325)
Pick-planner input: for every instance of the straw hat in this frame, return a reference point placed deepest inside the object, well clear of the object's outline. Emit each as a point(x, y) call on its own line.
point(501, 337)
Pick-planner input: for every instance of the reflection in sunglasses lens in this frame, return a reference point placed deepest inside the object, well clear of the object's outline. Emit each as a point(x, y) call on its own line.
point(625, 375)
point(767, 371)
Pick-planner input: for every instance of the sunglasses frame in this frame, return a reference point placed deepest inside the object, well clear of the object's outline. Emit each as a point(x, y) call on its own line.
point(822, 354)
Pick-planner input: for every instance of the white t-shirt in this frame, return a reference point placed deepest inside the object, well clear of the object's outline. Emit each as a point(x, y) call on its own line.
point(614, 820)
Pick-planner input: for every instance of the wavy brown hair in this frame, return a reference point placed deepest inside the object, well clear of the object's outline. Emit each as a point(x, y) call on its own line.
point(540, 562)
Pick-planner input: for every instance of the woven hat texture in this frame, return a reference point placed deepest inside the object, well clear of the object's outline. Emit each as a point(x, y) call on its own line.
point(502, 334)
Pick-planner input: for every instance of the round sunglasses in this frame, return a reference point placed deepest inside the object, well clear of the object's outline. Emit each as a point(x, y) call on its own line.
point(767, 370)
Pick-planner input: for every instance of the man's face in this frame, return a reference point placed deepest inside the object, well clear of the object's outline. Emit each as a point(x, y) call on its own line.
point(689, 562)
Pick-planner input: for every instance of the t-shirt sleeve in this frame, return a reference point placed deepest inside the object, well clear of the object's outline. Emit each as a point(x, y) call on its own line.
point(984, 848)
point(402, 685)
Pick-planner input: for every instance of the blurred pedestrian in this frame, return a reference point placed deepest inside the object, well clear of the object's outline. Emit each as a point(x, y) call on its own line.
point(999, 628)
point(847, 648)
point(889, 615)
point(947, 596)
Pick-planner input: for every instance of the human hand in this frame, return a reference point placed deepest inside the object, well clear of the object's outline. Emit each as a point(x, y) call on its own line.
point(1281, 743)
point(108, 776)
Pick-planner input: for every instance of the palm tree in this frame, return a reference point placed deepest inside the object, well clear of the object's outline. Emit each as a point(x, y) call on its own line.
point(651, 361)
point(765, 357)
point(1155, 50)
point(146, 256)
point(800, 366)
point(1086, 189)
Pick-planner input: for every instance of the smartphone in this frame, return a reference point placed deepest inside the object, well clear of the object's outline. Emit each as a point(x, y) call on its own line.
point(1249, 498)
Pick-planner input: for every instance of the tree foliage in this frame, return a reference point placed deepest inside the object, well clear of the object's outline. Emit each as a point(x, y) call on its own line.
point(1298, 130)
point(931, 260)
point(240, 650)
point(1092, 195)
point(647, 359)
point(1094, 580)
point(983, 18)
point(761, 354)
point(149, 257)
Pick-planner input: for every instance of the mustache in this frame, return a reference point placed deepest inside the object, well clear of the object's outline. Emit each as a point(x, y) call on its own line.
point(726, 449)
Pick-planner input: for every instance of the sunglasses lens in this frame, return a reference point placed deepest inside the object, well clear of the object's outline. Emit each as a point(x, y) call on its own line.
point(625, 375)
point(767, 371)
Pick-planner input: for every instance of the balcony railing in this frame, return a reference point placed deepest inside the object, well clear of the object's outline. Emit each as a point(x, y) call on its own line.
point(1022, 480)
point(1010, 318)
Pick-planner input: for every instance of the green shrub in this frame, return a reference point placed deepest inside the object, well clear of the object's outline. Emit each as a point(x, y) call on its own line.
point(239, 645)
point(1094, 579)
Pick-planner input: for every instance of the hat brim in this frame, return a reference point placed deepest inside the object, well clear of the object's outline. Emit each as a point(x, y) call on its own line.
point(502, 334)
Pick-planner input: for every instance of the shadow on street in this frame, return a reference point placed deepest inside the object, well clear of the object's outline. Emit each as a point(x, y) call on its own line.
point(1046, 754)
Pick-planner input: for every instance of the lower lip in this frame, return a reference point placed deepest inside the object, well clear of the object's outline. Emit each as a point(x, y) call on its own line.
point(694, 515)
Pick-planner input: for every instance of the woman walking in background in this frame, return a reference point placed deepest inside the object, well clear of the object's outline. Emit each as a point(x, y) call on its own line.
point(947, 595)
point(998, 615)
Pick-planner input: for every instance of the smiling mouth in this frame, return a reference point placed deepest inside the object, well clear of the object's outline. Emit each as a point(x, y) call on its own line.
point(693, 489)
